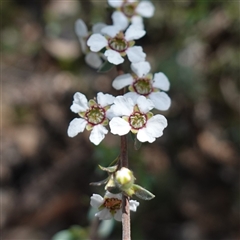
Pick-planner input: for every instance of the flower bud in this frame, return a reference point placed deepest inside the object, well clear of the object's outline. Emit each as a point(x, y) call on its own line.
point(124, 178)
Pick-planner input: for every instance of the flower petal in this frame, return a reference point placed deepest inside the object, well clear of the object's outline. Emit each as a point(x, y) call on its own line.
point(115, 3)
point(134, 33)
point(144, 136)
point(93, 60)
point(111, 30)
point(141, 68)
point(96, 42)
point(83, 44)
point(144, 104)
point(122, 81)
point(76, 126)
point(122, 106)
point(118, 215)
point(105, 99)
point(135, 54)
point(104, 214)
point(161, 81)
point(81, 28)
point(98, 27)
point(145, 9)
point(120, 20)
point(114, 57)
point(133, 204)
point(96, 200)
point(155, 125)
point(119, 126)
point(137, 22)
point(113, 195)
point(80, 103)
point(98, 134)
point(161, 100)
point(133, 95)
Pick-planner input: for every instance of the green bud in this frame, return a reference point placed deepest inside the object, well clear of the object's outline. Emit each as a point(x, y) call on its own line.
point(124, 178)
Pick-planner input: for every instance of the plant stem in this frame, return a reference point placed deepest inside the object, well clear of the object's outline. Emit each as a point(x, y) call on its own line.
point(126, 222)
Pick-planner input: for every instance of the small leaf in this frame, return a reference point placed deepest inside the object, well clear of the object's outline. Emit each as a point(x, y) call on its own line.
point(142, 192)
point(100, 182)
point(106, 66)
point(137, 144)
point(111, 169)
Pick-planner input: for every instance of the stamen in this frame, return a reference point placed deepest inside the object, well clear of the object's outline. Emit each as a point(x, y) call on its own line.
point(143, 86)
point(113, 204)
point(95, 115)
point(137, 120)
point(129, 9)
point(118, 44)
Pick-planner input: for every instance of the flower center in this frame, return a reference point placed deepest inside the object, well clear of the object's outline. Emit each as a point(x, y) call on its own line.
point(128, 9)
point(143, 86)
point(118, 44)
point(95, 115)
point(113, 204)
point(137, 120)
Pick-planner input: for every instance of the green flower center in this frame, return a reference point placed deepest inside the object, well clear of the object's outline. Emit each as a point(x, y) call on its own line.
point(128, 9)
point(137, 120)
point(118, 44)
point(113, 204)
point(143, 86)
point(95, 115)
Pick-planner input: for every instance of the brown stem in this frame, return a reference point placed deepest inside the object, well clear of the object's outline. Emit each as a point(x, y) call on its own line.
point(126, 223)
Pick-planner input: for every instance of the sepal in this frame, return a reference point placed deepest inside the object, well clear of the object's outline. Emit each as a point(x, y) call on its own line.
point(142, 193)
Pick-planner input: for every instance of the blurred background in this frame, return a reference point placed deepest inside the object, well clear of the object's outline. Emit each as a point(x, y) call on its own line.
point(193, 169)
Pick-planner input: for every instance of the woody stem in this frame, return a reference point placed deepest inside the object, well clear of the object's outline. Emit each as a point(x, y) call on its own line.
point(126, 223)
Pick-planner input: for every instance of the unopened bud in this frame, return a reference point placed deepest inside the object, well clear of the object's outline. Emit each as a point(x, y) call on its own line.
point(124, 178)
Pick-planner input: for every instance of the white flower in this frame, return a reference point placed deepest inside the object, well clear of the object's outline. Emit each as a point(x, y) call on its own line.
point(144, 83)
point(118, 44)
point(94, 116)
point(134, 116)
point(131, 11)
point(92, 59)
point(110, 206)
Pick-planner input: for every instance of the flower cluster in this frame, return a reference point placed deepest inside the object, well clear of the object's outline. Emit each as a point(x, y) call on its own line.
point(134, 111)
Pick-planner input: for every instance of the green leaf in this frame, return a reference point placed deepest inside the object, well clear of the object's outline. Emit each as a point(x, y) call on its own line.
point(137, 144)
point(142, 192)
point(111, 169)
point(64, 234)
point(100, 182)
point(106, 66)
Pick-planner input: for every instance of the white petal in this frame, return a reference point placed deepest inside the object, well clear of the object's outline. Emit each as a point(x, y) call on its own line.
point(144, 104)
point(145, 9)
point(133, 204)
point(119, 126)
point(80, 103)
point(155, 125)
point(122, 106)
point(161, 100)
point(137, 22)
point(161, 81)
point(111, 31)
point(81, 28)
point(76, 126)
point(114, 57)
point(133, 95)
point(96, 200)
point(113, 195)
point(134, 33)
point(120, 20)
point(118, 215)
point(110, 114)
point(122, 81)
point(98, 134)
point(93, 60)
point(98, 27)
point(105, 99)
point(115, 3)
point(96, 42)
point(144, 136)
point(104, 214)
point(135, 54)
point(141, 68)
